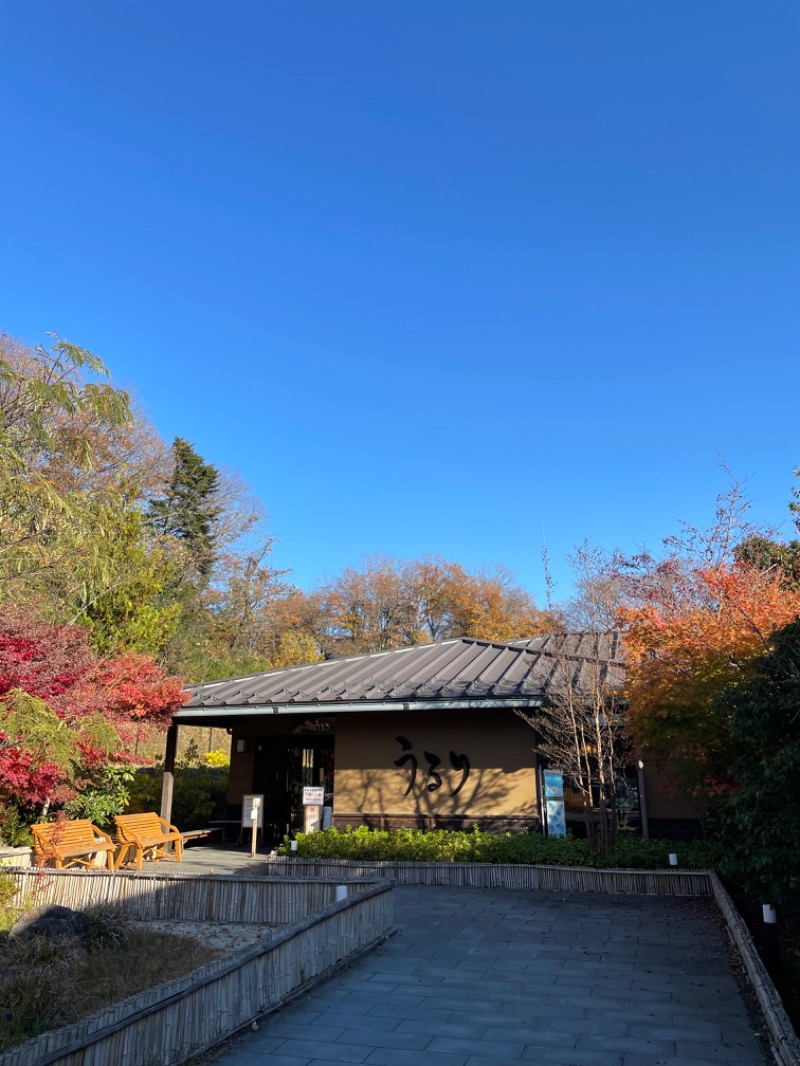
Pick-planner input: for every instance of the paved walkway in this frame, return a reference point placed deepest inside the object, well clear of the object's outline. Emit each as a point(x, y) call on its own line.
point(493, 978)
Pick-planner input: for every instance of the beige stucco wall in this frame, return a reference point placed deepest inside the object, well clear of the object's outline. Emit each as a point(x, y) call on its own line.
point(368, 786)
point(502, 779)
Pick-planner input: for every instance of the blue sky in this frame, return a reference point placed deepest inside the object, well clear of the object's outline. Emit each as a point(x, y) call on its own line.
point(435, 277)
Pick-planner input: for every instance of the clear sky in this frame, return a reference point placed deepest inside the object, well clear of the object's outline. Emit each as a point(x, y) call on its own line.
point(449, 277)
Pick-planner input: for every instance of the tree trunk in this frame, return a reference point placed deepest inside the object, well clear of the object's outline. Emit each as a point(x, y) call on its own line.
point(613, 822)
point(588, 817)
point(604, 843)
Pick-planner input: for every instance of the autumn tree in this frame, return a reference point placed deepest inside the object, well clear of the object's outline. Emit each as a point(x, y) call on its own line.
point(153, 550)
point(487, 603)
point(391, 603)
point(369, 609)
point(44, 757)
point(694, 621)
point(253, 618)
point(64, 713)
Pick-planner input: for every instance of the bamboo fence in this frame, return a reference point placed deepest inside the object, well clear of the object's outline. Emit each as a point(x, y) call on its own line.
point(500, 875)
point(167, 1025)
point(785, 1044)
point(176, 896)
point(16, 856)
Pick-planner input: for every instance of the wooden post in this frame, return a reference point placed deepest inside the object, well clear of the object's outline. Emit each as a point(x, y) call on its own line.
point(169, 772)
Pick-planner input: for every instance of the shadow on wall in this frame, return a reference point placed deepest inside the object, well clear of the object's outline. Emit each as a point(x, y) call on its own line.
point(483, 795)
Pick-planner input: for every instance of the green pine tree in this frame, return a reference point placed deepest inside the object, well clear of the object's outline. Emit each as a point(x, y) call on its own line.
point(190, 509)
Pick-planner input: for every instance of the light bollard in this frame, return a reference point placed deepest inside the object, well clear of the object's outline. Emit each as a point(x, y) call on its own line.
point(770, 935)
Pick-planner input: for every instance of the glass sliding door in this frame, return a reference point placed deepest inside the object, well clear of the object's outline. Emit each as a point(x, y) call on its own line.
point(283, 767)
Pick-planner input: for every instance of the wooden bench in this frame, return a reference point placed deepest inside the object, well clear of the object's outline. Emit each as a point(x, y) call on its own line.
point(201, 834)
point(147, 832)
point(70, 843)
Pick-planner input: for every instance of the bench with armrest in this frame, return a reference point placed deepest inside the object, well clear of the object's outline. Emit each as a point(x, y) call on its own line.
point(147, 832)
point(70, 843)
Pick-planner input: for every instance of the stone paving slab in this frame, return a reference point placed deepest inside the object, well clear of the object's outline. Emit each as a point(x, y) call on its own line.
point(490, 977)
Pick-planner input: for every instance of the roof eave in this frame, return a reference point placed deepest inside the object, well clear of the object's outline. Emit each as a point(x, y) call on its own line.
point(190, 714)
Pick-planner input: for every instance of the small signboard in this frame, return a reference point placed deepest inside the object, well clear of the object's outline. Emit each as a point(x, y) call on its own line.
point(313, 796)
point(248, 803)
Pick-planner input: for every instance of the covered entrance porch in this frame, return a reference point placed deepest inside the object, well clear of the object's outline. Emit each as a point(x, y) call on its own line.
point(274, 759)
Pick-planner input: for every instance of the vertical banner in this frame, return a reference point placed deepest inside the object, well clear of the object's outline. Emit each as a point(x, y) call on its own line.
point(554, 803)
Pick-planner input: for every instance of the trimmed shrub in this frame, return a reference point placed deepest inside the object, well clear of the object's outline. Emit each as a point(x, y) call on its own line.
point(443, 845)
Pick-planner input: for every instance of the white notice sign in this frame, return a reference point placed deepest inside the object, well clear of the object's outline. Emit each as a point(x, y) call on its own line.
point(249, 803)
point(313, 796)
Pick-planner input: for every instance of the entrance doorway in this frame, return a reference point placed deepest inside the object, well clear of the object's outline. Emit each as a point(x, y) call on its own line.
point(284, 766)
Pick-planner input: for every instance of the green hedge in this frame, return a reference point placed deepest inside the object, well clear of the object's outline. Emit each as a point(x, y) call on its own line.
point(443, 845)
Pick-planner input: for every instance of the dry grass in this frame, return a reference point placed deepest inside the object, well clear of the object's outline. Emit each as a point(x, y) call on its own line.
point(45, 984)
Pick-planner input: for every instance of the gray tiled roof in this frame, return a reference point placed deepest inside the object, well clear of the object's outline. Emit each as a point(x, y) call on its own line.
point(452, 670)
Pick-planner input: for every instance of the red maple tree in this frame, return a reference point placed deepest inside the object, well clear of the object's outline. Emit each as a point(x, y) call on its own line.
point(55, 664)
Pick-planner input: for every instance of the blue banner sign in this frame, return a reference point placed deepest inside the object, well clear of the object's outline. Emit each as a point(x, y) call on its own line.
point(554, 803)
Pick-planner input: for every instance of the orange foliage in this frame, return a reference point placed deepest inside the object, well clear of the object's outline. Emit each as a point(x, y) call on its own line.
point(689, 637)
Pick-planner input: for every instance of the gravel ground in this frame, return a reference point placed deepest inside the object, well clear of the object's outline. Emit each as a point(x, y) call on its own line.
point(226, 939)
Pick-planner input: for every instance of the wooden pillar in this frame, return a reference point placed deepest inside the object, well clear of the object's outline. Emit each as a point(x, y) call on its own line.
point(169, 772)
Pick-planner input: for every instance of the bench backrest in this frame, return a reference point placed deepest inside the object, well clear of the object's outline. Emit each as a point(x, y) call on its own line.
point(64, 834)
point(133, 825)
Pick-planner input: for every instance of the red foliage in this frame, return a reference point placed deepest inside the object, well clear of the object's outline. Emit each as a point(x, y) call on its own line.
point(133, 687)
point(56, 664)
point(21, 775)
point(131, 690)
point(42, 659)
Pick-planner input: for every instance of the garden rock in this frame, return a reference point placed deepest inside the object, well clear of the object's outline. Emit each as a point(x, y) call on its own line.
point(52, 922)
